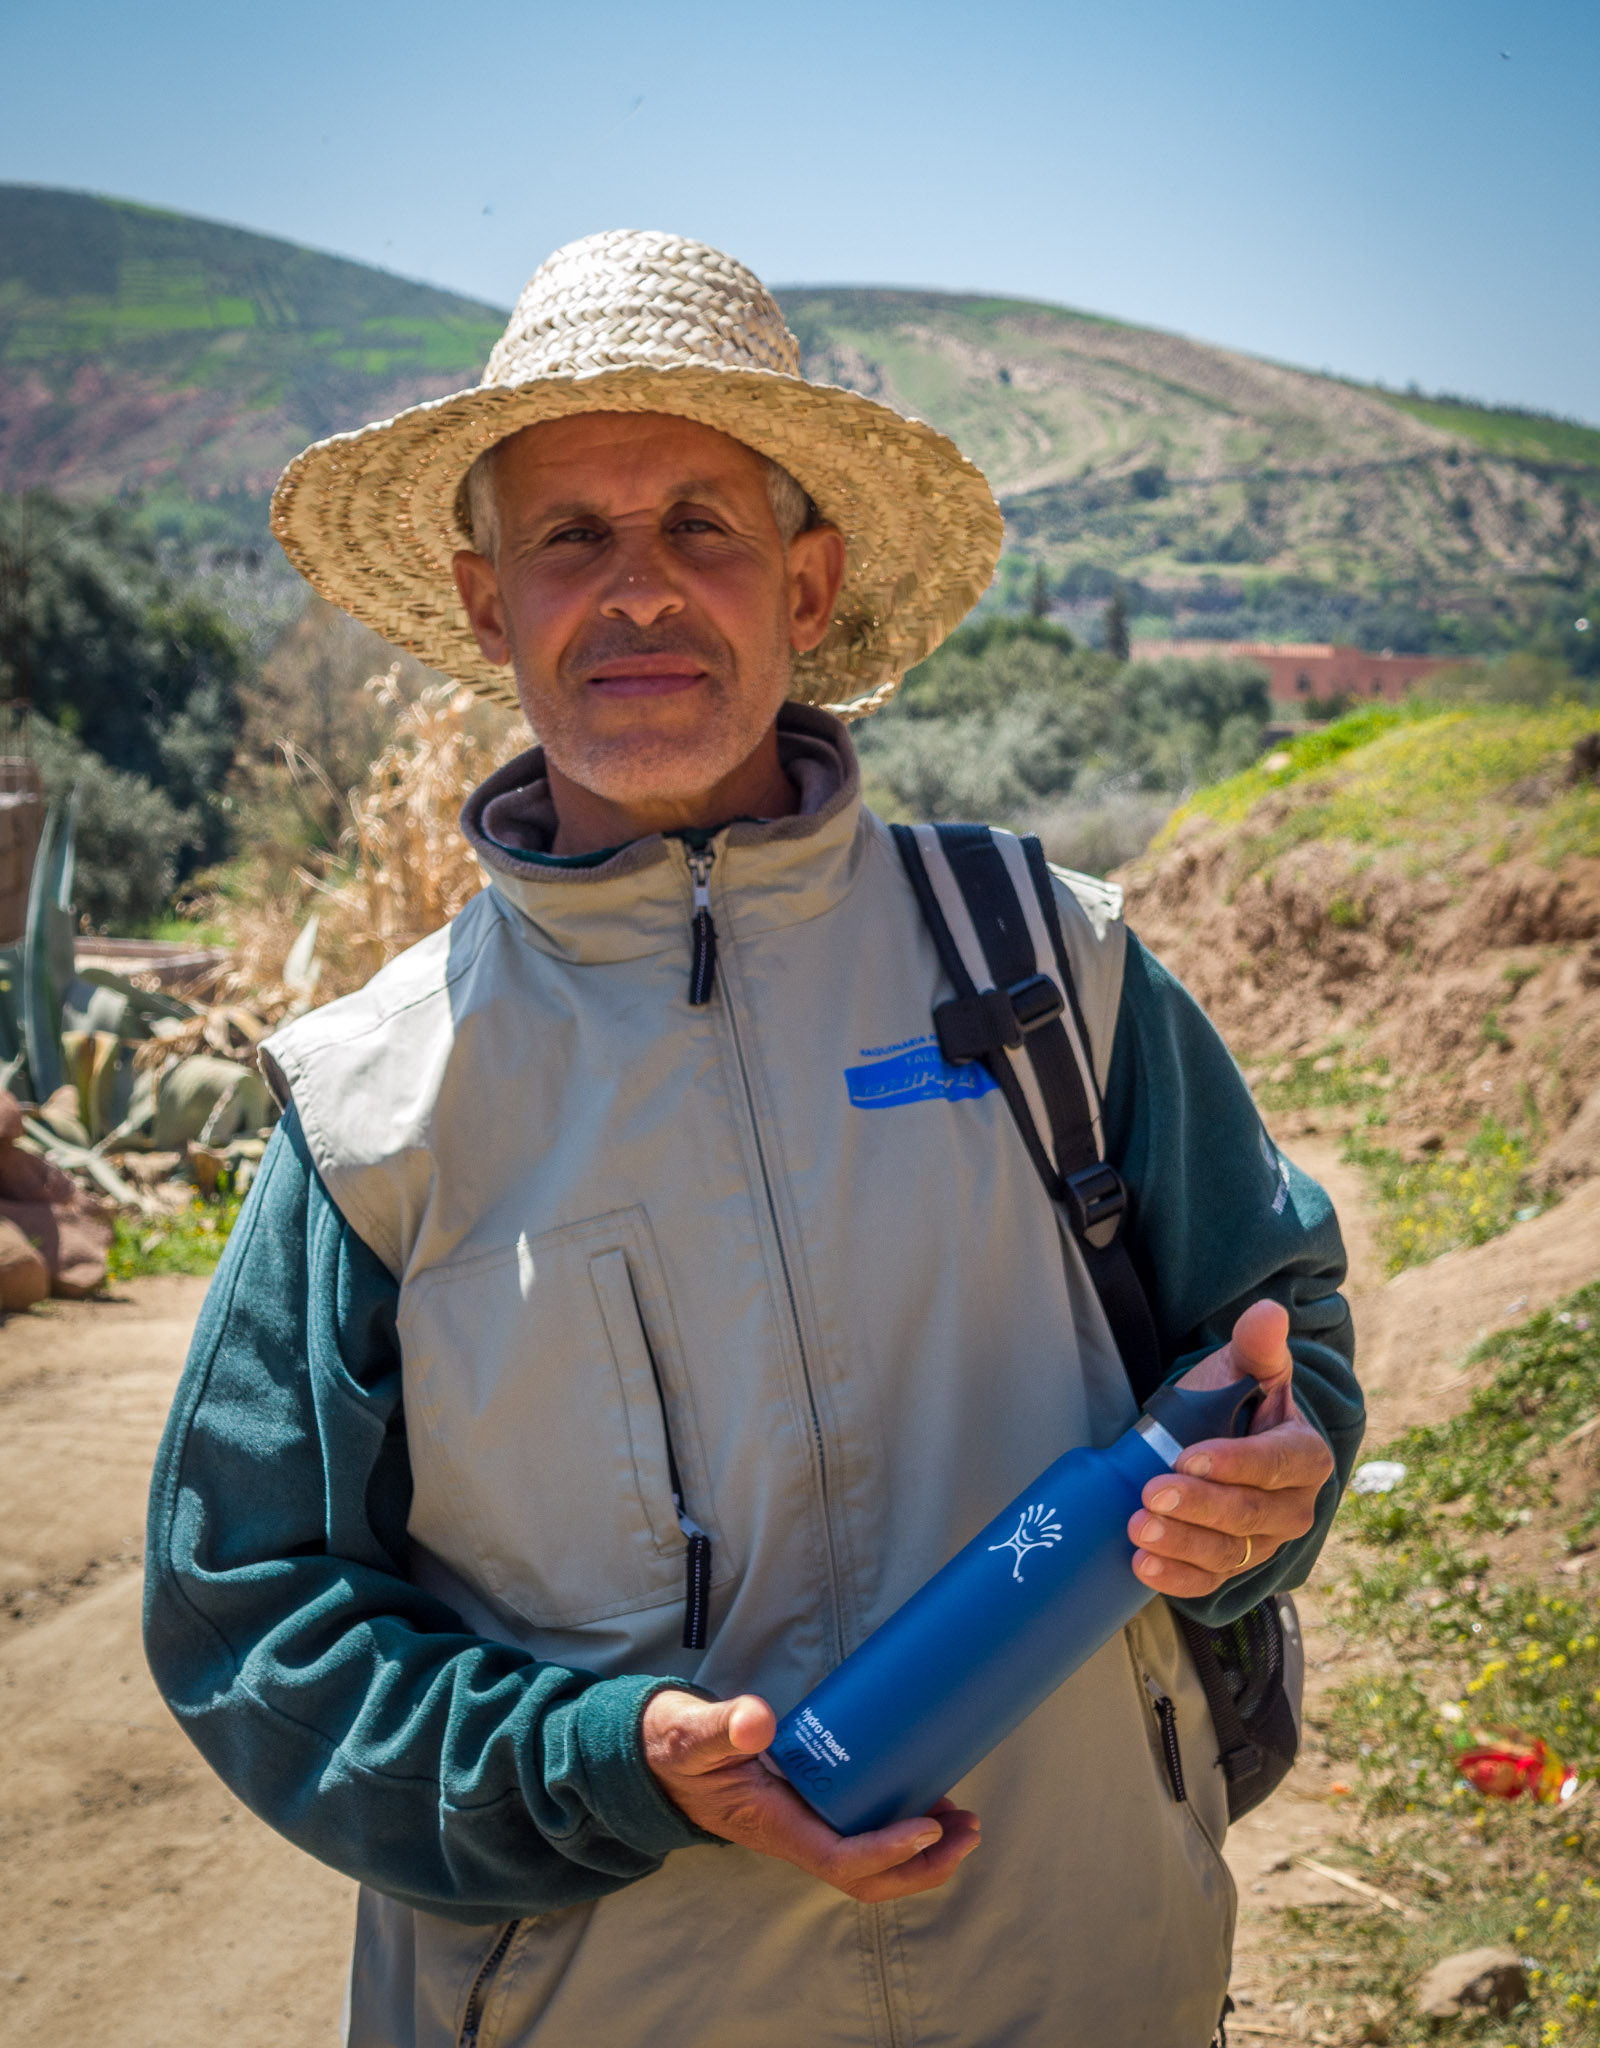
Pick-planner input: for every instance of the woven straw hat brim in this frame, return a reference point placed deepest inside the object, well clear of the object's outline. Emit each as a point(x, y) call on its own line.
point(371, 519)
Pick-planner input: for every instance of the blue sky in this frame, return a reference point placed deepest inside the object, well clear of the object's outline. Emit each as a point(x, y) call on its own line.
point(1369, 187)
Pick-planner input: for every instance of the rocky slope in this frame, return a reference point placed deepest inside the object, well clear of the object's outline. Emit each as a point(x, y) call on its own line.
point(1415, 895)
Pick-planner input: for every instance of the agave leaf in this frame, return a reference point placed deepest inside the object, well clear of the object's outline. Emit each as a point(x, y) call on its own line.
point(48, 948)
point(302, 967)
point(41, 1007)
point(10, 1004)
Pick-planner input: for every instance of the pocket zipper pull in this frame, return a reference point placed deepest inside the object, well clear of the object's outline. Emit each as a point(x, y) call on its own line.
point(1167, 1715)
point(696, 1582)
point(702, 932)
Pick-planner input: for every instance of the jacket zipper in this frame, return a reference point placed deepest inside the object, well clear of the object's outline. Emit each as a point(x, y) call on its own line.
point(702, 976)
point(1167, 1716)
point(478, 1996)
point(697, 1555)
point(702, 932)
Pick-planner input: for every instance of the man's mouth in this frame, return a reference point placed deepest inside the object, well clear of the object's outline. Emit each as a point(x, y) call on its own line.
point(646, 675)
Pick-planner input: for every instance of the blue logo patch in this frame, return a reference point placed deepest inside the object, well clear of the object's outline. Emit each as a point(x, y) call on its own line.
point(914, 1072)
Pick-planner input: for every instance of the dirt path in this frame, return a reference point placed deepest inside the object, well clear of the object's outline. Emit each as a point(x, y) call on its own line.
point(1411, 1335)
point(140, 1905)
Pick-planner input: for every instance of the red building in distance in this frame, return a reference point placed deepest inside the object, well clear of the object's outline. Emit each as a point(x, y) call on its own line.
point(1306, 672)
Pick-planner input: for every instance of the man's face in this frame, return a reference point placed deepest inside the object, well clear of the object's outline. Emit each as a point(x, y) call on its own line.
point(645, 598)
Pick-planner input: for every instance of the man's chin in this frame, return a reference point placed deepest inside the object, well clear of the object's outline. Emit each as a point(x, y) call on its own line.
point(651, 767)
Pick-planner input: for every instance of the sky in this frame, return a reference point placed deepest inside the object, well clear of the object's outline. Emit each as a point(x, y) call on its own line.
point(1402, 190)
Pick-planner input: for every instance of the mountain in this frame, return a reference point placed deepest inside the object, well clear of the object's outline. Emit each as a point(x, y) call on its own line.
point(142, 350)
point(1138, 453)
point(148, 350)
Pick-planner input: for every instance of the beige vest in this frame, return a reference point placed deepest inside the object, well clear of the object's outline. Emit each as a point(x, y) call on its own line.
point(869, 1337)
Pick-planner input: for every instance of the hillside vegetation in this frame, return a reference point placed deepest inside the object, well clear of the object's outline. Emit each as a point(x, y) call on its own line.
point(1397, 919)
point(150, 351)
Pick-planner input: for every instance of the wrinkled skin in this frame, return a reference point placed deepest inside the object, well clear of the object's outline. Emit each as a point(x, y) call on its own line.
point(645, 599)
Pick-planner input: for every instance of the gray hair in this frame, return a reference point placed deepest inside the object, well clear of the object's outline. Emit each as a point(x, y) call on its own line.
point(792, 507)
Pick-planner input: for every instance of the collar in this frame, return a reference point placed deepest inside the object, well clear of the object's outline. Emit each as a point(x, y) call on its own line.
point(633, 900)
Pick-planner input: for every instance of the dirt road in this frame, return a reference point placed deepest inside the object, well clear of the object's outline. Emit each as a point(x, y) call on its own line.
point(142, 1907)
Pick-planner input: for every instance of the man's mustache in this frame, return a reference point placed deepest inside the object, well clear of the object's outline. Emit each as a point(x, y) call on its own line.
point(621, 640)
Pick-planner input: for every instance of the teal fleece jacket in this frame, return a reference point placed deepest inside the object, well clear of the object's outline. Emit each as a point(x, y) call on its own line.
point(356, 1715)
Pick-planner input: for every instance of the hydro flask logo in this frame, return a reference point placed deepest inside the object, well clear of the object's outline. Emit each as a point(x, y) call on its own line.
point(1037, 1529)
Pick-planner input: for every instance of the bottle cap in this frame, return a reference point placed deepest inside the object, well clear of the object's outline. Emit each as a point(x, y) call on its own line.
point(1189, 1415)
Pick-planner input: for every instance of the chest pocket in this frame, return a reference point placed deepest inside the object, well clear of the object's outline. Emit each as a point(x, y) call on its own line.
point(541, 1383)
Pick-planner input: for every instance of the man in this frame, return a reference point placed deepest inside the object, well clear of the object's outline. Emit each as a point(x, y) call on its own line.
point(579, 1290)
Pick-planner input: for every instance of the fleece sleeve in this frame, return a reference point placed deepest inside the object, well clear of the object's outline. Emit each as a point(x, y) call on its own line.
point(1219, 1219)
point(349, 1709)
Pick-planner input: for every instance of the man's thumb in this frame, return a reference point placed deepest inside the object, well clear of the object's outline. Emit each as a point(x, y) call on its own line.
point(720, 1730)
point(1260, 1344)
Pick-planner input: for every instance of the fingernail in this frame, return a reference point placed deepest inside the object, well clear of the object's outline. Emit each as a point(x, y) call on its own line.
point(1198, 1466)
point(967, 1851)
point(1150, 1568)
point(1153, 1530)
point(925, 1841)
point(1165, 1502)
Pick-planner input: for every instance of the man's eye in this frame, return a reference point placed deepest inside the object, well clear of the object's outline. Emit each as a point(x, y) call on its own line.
point(572, 533)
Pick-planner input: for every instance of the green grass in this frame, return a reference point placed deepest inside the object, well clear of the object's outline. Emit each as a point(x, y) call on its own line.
point(1408, 774)
point(192, 1241)
point(1322, 1081)
point(1435, 1205)
point(1476, 1647)
point(1529, 436)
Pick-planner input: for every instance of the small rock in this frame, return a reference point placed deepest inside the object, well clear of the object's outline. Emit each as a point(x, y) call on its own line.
point(24, 1275)
point(1270, 1864)
point(1378, 1475)
point(1476, 1980)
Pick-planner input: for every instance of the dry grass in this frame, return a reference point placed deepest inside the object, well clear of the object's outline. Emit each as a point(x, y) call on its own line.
point(404, 868)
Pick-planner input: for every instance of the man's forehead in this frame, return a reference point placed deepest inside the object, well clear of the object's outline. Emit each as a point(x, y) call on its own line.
point(594, 451)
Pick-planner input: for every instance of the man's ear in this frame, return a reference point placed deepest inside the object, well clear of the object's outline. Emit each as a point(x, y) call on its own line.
point(479, 587)
point(816, 574)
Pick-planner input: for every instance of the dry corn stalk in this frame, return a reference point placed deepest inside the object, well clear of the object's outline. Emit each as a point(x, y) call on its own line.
point(408, 871)
point(413, 869)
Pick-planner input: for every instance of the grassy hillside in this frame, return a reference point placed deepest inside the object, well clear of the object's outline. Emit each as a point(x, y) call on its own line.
point(140, 348)
point(1121, 452)
point(1533, 437)
point(149, 350)
point(1398, 918)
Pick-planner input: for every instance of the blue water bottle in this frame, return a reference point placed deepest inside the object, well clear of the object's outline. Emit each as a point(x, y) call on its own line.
point(975, 1650)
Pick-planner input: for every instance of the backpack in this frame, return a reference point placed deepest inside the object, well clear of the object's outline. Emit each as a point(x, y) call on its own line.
point(987, 900)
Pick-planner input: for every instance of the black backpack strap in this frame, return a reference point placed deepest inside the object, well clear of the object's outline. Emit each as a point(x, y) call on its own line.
point(1239, 1756)
point(986, 898)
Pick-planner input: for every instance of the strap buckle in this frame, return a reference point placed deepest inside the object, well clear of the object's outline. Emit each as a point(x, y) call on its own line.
point(1095, 1198)
point(1243, 1762)
point(998, 1020)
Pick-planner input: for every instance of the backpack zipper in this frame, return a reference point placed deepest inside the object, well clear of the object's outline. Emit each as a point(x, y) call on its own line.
point(478, 1996)
point(702, 932)
point(1167, 1716)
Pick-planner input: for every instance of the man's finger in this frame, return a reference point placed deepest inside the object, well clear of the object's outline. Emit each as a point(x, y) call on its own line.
point(1235, 1510)
point(1176, 1580)
point(896, 1861)
point(1208, 1550)
point(1291, 1455)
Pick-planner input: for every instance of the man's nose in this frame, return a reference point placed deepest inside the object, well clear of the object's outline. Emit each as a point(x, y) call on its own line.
point(641, 587)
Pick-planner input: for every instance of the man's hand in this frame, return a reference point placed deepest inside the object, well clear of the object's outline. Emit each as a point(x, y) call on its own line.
point(1193, 1527)
point(706, 1757)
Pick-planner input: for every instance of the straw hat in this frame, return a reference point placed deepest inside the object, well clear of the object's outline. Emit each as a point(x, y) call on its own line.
point(635, 322)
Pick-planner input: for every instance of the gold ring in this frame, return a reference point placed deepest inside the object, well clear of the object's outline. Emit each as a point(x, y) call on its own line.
point(1244, 1562)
